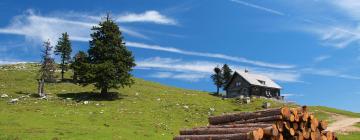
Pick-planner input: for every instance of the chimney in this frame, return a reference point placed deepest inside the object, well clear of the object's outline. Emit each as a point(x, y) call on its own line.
point(246, 71)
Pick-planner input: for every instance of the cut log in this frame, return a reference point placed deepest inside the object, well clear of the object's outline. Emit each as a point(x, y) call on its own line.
point(208, 131)
point(279, 137)
point(271, 131)
point(299, 135)
point(261, 119)
point(306, 133)
point(291, 118)
point(287, 125)
point(314, 123)
point(323, 137)
point(304, 116)
point(315, 135)
point(240, 136)
point(292, 131)
point(262, 125)
point(328, 134)
point(279, 126)
point(214, 120)
point(323, 125)
point(302, 126)
point(295, 126)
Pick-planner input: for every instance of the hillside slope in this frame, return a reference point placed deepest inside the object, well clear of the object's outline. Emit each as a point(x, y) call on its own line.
point(147, 110)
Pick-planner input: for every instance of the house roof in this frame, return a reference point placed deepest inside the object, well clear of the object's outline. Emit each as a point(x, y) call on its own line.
point(256, 79)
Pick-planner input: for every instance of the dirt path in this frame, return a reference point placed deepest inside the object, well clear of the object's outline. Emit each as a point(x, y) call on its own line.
point(343, 124)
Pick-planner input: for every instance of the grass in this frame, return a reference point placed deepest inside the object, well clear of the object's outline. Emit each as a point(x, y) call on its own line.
point(337, 111)
point(147, 110)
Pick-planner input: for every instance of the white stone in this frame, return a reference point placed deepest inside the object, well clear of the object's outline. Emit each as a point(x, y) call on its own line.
point(86, 102)
point(136, 94)
point(14, 100)
point(212, 109)
point(4, 96)
point(158, 99)
point(186, 107)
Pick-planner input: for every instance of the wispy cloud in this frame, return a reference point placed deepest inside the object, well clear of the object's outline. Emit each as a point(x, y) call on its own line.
point(329, 73)
point(339, 37)
point(210, 55)
point(291, 95)
point(39, 28)
point(4, 62)
point(204, 68)
point(269, 10)
point(151, 16)
point(192, 77)
point(321, 58)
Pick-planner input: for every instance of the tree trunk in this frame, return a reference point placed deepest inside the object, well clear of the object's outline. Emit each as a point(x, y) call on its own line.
point(104, 90)
point(62, 70)
point(217, 91)
point(41, 87)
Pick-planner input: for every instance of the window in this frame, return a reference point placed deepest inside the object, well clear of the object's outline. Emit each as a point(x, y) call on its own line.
point(261, 82)
point(267, 92)
point(237, 84)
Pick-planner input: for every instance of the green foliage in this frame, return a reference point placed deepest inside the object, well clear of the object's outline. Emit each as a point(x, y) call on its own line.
point(48, 66)
point(144, 111)
point(227, 74)
point(80, 66)
point(63, 48)
point(109, 62)
point(217, 78)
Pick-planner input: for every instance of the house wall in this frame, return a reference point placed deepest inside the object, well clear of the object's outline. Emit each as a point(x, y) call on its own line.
point(261, 91)
point(234, 91)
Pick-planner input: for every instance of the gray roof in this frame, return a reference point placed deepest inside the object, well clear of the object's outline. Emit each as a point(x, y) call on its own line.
point(259, 80)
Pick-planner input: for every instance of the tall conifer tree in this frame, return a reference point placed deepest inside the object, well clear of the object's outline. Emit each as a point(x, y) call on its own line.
point(109, 62)
point(227, 74)
point(63, 48)
point(217, 79)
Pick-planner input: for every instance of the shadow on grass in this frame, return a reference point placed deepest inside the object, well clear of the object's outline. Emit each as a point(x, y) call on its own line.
point(66, 80)
point(92, 96)
point(33, 95)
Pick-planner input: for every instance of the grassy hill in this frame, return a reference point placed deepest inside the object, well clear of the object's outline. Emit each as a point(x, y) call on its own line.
point(147, 110)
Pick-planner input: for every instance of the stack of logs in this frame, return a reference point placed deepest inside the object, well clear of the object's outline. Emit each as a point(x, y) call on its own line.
point(271, 124)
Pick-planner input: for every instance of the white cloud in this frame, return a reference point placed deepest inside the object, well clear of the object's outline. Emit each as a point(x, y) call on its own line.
point(186, 76)
point(210, 55)
point(4, 62)
point(339, 33)
point(289, 95)
point(329, 72)
point(339, 37)
point(258, 7)
point(40, 28)
point(204, 69)
point(321, 58)
point(351, 7)
point(148, 16)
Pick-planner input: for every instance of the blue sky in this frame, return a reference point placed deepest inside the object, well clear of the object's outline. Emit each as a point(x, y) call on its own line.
point(311, 48)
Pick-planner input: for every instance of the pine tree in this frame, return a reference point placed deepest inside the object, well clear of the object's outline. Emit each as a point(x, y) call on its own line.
point(79, 66)
point(217, 79)
point(227, 74)
point(109, 61)
point(63, 48)
point(47, 69)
